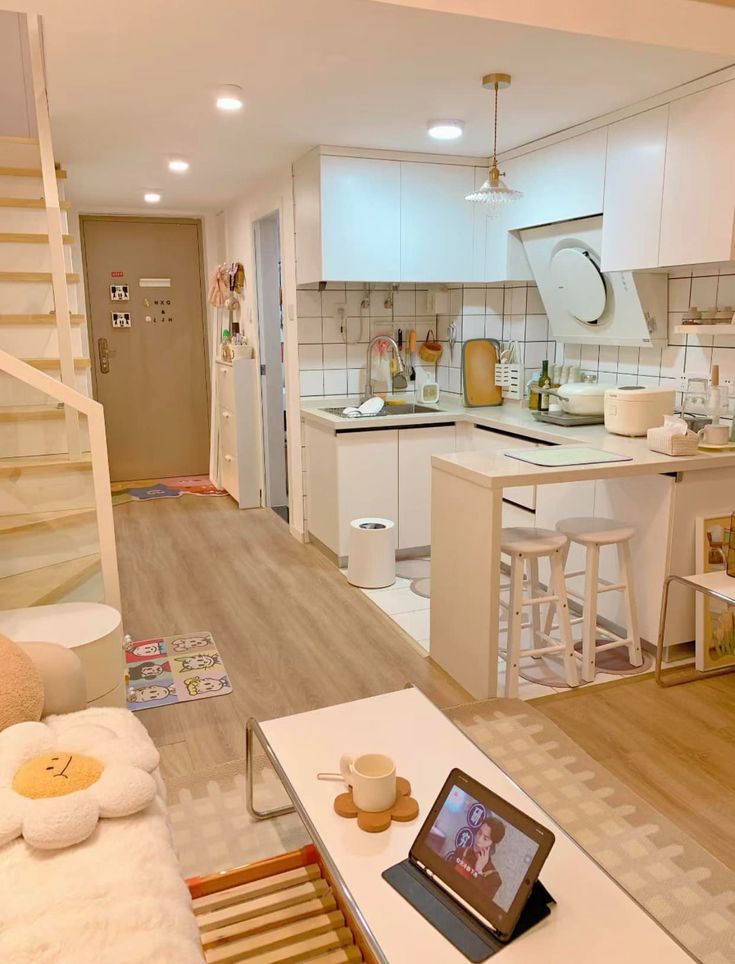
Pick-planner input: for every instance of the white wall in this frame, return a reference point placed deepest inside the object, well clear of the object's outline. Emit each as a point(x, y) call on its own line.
point(276, 194)
point(17, 113)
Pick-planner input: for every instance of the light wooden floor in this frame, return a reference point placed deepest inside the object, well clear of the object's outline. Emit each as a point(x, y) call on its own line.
point(293, 634)
point(675, 747)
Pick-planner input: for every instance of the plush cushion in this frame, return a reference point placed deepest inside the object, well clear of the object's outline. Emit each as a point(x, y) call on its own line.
point(62, 676)
point(21, 686)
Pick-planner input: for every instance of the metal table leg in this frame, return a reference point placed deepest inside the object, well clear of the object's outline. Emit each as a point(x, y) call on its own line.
point(252, 728)
point(674, 677)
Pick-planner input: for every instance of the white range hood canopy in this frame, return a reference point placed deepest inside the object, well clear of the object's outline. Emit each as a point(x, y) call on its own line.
point(586, 306)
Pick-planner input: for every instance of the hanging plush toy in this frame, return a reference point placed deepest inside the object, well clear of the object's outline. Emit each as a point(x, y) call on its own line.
point(55, 788)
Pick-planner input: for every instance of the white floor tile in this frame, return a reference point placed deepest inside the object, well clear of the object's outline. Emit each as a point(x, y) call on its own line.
point(394, 601)
point(416, 624)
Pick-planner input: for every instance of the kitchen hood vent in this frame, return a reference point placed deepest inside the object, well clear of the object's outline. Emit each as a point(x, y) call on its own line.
point(585, 305)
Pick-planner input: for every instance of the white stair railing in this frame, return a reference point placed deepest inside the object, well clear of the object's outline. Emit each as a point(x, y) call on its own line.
point(82, 404)
point(55, 228)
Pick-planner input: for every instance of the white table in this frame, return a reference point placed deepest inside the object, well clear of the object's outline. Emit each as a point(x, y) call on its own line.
point(594, 919)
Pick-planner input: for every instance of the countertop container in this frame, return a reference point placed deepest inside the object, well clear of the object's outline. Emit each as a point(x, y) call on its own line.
point(633, 409)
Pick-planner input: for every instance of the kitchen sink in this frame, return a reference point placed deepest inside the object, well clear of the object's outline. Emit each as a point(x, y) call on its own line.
point(404, 408)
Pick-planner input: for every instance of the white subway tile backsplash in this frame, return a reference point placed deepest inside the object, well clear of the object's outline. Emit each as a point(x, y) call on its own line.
point(704, 292)
point(311, 382)
point(335, 357)
point(511, 313)
point(310, 357)
point(335, 382)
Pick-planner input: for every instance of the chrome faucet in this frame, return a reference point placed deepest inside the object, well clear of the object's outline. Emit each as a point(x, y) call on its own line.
point(368, 368)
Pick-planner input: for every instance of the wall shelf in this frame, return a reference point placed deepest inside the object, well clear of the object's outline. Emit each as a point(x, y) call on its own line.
point(723, 329)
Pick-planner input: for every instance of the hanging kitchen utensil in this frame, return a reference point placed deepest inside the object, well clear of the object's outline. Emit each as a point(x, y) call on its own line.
point(400, 383)
point(412, 353)
point(431, 350)
point(452, 337)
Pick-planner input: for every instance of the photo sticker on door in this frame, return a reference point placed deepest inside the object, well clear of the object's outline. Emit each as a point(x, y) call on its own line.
point(119, 293)
point(121, 319)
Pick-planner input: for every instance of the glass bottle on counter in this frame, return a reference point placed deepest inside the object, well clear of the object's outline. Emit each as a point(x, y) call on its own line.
point(544, 382)
point(533, 395)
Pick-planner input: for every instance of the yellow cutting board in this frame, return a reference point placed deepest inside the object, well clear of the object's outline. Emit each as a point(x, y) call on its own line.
point(479, 358)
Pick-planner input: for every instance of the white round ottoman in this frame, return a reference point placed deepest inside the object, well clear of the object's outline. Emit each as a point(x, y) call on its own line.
point(371, 562)
point(92, 630)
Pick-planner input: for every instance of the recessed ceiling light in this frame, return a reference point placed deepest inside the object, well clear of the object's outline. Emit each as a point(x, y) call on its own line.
point(230, 97)
point(151, 197)
point(445, 130)
point(178, 164)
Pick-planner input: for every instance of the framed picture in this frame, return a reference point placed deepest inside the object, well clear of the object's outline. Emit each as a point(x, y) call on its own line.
point(715, 646)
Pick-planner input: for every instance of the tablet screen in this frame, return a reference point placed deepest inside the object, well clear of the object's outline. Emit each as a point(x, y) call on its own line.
point(483, 849)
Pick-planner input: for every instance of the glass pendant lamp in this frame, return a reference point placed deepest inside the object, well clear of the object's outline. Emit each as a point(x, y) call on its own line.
point(494, 192)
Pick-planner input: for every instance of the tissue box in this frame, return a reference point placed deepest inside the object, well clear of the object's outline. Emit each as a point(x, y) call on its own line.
point(662, 440)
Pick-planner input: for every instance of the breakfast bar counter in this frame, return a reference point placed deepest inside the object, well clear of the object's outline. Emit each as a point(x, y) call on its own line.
point(659, 494)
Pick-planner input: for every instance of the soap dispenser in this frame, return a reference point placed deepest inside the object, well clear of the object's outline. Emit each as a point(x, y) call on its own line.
point(429, 391)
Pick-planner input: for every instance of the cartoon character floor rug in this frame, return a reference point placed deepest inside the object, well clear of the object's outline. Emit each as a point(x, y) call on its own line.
point(146, 489)
point(174, 669)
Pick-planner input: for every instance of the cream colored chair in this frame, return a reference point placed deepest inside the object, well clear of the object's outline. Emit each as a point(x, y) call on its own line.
point(594, 535)
point(526, 547)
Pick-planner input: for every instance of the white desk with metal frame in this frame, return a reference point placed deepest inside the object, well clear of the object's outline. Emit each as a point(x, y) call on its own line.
point(594, 919)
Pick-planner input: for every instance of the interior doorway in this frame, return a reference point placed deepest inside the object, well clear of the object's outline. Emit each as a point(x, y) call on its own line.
point(145, 308)
point(269, 300)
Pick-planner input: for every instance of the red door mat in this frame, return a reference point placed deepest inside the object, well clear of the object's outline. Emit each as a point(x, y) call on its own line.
point(174, 669)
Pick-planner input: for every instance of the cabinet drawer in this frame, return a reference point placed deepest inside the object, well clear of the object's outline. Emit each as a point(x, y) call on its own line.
point(226, 387)
point(229, 474)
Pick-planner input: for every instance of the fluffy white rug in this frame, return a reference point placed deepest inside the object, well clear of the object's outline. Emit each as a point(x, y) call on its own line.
point(118, 897)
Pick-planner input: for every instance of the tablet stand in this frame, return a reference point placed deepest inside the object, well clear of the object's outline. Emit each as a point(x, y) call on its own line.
point(460, 928)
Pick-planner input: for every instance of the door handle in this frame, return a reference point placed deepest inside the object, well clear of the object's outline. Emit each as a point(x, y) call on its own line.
point(105, 354)
point(103, 348)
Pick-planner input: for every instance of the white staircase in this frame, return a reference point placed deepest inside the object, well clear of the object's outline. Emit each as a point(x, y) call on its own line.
point(56, 532)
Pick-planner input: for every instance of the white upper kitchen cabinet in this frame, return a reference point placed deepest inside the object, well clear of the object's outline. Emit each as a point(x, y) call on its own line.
point(634, 181)
point(437, 224)
point(699, 179)
point(348, 218)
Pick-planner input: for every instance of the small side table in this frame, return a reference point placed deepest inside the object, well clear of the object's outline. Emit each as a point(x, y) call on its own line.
point(717, 585)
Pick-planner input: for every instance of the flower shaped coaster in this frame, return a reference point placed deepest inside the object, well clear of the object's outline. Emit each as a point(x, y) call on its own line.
point(404, 809)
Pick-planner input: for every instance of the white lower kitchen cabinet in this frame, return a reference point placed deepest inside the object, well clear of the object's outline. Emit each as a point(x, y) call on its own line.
point(486, 440)
point(373, 472)
point(415, 448)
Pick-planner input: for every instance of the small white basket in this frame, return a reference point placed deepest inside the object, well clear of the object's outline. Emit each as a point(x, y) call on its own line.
point(508, 377)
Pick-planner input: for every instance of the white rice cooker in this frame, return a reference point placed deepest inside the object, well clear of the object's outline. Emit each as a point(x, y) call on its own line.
point(633, 409)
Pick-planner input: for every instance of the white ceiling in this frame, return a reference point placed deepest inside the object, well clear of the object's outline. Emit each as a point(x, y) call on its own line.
point(132, 83)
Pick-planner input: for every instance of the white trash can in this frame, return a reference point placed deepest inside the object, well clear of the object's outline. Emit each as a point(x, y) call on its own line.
point(372, 557)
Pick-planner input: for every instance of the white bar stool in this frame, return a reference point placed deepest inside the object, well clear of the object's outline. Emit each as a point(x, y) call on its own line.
point(527, 546)
point(594, 534)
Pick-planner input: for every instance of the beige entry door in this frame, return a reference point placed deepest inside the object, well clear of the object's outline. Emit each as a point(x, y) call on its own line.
point(150, 373)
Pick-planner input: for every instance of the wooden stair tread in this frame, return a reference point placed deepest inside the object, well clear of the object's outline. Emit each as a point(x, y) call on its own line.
point(55, 362)
point(32, 276)
point(47, 319)
point(30, 202)
point(31, 520)
point(256, 906)
point(47, 585)
point(22, 237)
point(17, 413)
point(18, 139)
point(29, 172)
point(35, 462)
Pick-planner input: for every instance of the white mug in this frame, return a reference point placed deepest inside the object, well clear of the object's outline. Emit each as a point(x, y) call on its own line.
point(714, 434)
point(372, 777)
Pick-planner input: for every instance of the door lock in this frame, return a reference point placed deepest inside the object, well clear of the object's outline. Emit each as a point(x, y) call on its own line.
point(105, 354)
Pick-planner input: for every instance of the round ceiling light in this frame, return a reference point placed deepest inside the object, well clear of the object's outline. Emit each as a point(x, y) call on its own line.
point(230, 98)
point(151, 197)
point(178, 165)
point(445, 130)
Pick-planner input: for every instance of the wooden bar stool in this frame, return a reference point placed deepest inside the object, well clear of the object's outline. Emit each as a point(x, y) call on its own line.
point(525, 547)
point(595, 534)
